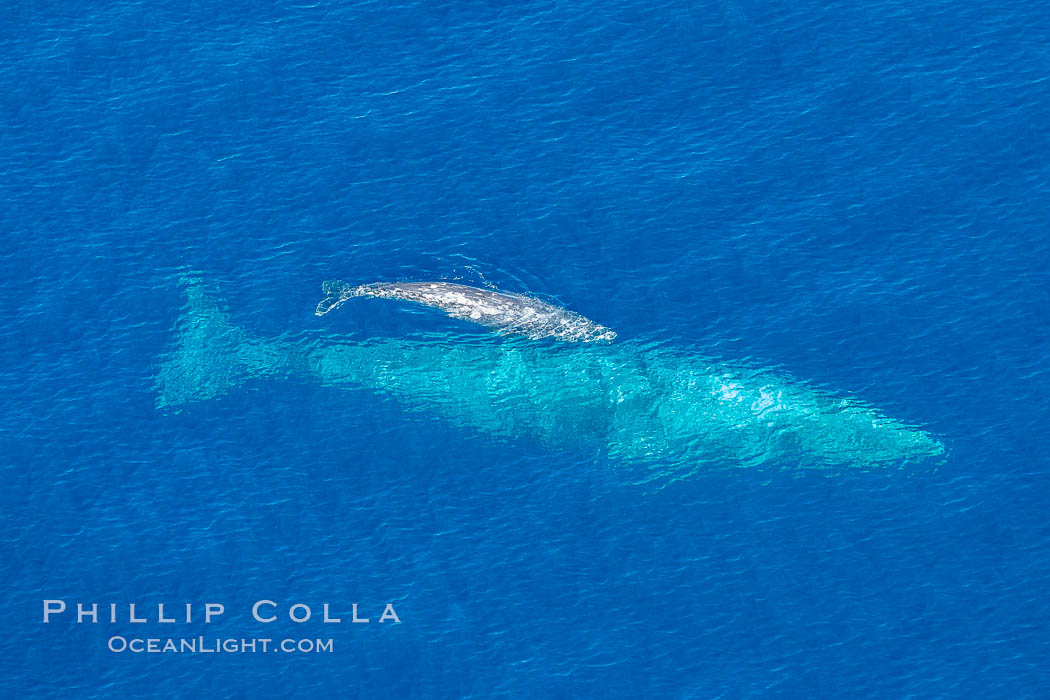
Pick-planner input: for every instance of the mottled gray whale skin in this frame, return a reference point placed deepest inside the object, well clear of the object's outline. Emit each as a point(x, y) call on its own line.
point(506, 312)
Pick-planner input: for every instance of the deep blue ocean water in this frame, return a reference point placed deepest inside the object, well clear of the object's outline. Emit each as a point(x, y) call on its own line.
point(856, 194)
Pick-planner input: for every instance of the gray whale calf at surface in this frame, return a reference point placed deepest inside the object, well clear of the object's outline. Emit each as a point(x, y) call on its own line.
point(666, 412)
point(504, 311)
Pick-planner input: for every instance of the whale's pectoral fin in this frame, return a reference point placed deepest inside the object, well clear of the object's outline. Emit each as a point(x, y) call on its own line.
point(336, 292)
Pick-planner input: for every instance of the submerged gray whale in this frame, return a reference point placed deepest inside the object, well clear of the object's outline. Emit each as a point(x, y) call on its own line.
point(506, 312)
point(670, 412)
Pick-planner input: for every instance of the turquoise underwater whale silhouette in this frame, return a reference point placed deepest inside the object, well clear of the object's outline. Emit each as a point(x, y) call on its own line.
point(671, 411)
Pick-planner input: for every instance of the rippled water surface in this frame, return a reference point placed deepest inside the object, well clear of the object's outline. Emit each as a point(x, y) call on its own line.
point(810, 465)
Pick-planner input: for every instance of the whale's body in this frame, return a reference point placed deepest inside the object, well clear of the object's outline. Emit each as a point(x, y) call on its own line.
point(506, 312)
point(672, 412)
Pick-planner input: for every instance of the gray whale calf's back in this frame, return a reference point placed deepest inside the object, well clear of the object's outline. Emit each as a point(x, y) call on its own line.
point(504, 311)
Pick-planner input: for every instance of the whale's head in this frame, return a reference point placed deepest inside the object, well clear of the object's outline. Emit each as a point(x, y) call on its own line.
point(600, 334)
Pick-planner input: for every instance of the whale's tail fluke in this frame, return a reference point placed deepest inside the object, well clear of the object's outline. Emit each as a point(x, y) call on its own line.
point(211, 354)
point(336, 292)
